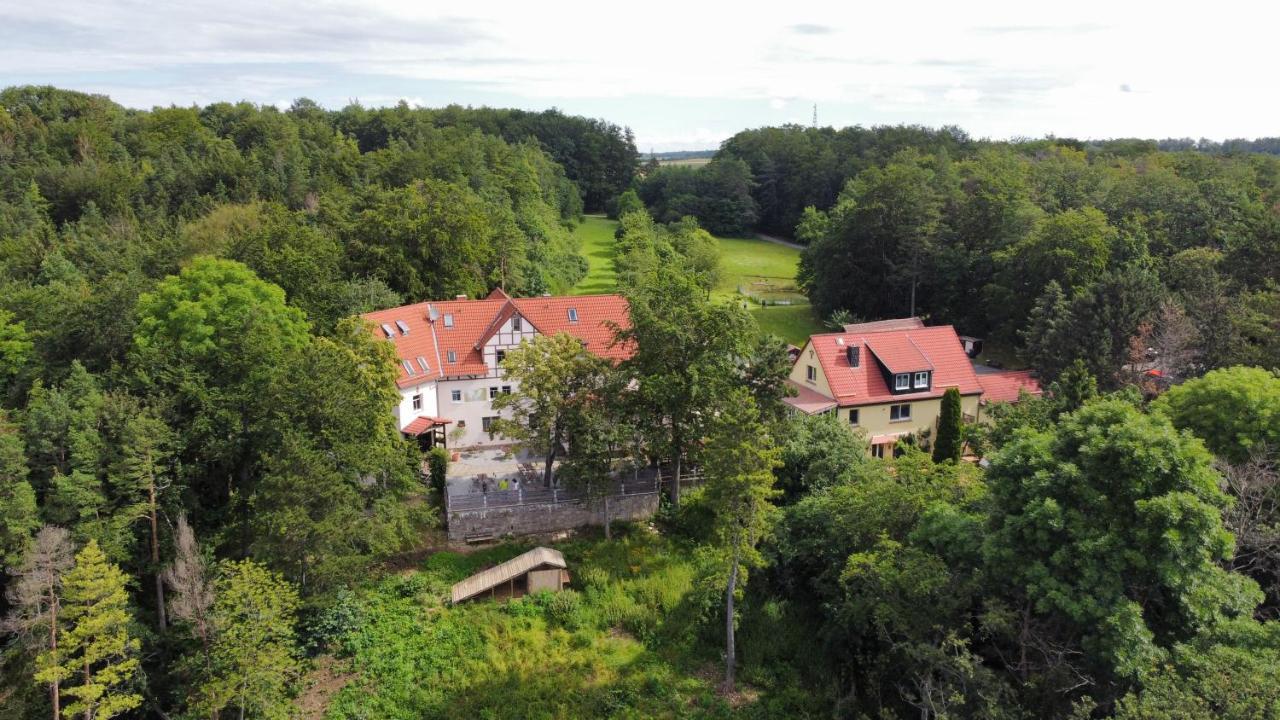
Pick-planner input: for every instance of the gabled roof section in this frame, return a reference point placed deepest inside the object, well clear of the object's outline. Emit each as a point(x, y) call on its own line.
point(508, 310)
point(596, 316)
point(937, 349)
point(515, 567)
point(898, 352)
point(475, 321)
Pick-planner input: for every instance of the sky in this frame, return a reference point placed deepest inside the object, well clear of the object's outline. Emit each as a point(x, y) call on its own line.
point(685, 75)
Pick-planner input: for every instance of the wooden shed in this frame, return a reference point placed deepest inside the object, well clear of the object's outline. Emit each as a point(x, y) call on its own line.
point(539, 569)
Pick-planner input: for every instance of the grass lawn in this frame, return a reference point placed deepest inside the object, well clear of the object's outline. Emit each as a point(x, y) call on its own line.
point(596, 234)
point(769, 269)
point(793, 323)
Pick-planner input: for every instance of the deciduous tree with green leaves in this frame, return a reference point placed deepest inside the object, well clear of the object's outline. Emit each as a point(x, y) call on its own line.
point(1235, 411)
point(1111, 522)
point(253, 654)
point(739, 459)
point(687, 352)
point(559, 380)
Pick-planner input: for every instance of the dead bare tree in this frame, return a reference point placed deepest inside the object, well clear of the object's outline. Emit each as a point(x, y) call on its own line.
point(188, 578)
point(1254, 519)
point(1175, 341)
point(35, 597)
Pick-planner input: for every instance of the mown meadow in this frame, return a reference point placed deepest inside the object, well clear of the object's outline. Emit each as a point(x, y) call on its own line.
point(757, 266)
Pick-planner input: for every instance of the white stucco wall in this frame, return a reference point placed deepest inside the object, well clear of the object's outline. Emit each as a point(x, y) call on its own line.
point(470, 411)
point(405, 412)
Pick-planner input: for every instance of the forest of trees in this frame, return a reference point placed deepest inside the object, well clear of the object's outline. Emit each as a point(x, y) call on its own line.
point(183, 381)
point(1056, 249)
point(200, 470)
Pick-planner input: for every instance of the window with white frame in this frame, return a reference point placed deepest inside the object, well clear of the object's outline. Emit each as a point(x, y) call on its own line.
point(506, 389)
point(455, 395)
point(452, 356)
point(417, 401)
point(448, 320)
point(810, 373)
point(493, 392)
point(922, 380)
point(877, 451)
point(898, 413)
point(573, 315)
point(516, 325)
point(902, 381)
point(486, 424)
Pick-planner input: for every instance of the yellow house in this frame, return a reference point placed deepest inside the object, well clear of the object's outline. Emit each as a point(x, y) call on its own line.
point(887, 379)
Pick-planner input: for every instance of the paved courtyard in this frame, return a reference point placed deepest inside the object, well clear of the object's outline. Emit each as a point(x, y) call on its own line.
point(494, 466)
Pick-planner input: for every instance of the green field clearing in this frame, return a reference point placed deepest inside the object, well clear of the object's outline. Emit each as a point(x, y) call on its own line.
point(596, 235)
point(687, 162)
point(763, 269)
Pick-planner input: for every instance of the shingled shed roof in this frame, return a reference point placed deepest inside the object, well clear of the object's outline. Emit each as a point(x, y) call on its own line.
point(507, 571)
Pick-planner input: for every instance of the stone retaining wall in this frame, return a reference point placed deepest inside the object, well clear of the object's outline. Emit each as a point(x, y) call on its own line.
point(541, 518)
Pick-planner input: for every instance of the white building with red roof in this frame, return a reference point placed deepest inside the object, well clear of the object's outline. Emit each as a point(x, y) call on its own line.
point(887, 379)
point(450, 354)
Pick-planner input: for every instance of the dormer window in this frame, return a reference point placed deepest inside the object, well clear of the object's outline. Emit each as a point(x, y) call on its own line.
point(922, 380)
point(902, 381)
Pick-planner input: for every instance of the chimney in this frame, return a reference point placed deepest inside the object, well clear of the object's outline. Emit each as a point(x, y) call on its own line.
point(854, 353)
point(461, 296)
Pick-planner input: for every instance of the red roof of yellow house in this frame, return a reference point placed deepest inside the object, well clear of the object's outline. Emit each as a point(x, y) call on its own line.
point(1006, 385)
point(934, 349)
point(430, 333)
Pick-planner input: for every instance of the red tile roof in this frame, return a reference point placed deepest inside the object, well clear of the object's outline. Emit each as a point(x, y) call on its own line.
point(1004, 386)
point(909, 350)
point(898, 352)
point(809, 401)
point(422, 424)
point(475, 321)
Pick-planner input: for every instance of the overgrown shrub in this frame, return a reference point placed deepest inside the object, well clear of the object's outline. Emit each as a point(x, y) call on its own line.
point(438, 468)
point(565, 608)
point(334, 622)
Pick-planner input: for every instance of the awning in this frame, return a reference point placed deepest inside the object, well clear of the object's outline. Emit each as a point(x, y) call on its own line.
point(422, 424)
point(888, 438)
